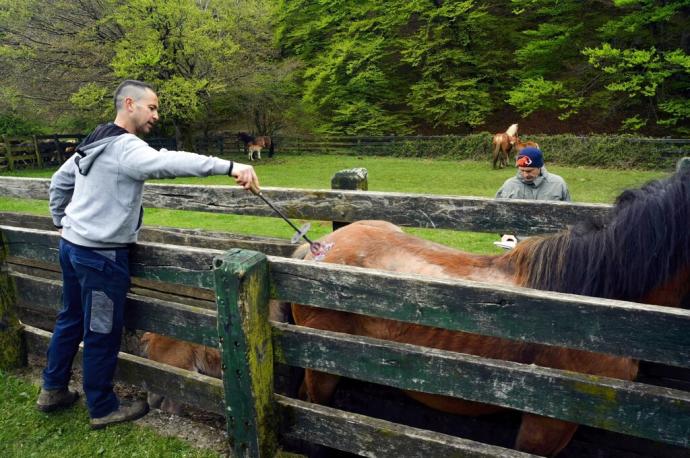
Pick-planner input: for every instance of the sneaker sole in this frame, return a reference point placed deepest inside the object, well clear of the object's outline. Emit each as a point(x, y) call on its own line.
point(124, 420)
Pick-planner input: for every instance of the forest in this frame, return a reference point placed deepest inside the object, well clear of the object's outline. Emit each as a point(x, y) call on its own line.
point(351, 67)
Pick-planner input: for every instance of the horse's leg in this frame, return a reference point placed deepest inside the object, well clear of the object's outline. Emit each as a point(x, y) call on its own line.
point(542, 435)
point(548, 436)
point(318, 387)
point(258, 154)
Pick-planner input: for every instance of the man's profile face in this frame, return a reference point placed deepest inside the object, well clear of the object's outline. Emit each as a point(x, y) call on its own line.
point(529, 174)
point(144, 112)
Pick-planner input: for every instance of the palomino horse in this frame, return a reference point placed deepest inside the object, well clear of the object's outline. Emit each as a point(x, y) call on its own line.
point(503, 144)
point(254, 145)
point(641, 252)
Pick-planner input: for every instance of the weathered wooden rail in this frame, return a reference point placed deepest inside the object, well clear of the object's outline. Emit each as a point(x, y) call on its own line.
point(479, 214)
point(221, 299)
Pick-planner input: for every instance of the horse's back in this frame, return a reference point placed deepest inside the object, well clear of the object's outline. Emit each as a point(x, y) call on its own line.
point(382, 245)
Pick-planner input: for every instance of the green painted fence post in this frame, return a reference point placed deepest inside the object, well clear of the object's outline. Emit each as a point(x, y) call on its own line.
point(12, 348)
point(241, 278)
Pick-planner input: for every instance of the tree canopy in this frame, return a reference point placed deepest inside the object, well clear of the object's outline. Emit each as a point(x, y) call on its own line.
point(349, 66)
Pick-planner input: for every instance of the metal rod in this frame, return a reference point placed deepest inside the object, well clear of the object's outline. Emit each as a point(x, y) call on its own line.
point(275, 209)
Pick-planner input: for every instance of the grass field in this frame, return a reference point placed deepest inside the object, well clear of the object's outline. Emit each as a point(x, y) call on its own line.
point(424, 176)
point(26, 432)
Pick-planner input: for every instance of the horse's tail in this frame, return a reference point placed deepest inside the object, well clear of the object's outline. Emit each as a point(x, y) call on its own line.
point(271, 146)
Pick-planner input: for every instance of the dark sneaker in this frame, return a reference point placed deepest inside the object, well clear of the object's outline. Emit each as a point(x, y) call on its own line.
point(126, 412)
point(50, 400)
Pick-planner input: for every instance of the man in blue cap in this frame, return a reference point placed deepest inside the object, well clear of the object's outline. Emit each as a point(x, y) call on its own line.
point(532, 180)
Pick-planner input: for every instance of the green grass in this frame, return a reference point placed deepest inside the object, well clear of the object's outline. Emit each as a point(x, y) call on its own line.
point(26, 432)
point(425, 176)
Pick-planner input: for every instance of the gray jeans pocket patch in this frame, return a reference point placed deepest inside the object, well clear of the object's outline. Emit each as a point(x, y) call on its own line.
point(101, 313)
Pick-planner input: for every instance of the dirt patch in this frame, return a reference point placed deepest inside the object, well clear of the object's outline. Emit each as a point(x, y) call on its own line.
point(200, 429)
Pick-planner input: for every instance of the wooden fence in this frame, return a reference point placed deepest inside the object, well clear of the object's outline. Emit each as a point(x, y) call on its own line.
point(177, 290)
point(37, 150)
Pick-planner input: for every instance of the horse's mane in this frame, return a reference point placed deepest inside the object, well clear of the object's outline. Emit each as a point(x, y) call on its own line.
point(640, 245)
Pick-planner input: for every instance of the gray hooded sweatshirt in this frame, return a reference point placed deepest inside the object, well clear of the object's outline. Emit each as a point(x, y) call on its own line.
point(95, 196)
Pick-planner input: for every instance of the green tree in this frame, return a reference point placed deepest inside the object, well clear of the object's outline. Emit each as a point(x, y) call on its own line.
point(377, 67)
point(646, 58)
point(553, 76)
point(64, 58)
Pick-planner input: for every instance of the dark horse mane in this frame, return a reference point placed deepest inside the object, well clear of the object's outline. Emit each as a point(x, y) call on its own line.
point(640, 245)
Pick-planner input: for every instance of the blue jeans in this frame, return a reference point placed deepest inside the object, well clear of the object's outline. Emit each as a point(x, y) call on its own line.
point(95, 285)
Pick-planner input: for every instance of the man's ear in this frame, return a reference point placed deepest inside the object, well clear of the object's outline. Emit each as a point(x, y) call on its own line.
point(129, 103)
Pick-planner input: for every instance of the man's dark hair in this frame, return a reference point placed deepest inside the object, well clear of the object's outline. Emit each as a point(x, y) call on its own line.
point(130, 88)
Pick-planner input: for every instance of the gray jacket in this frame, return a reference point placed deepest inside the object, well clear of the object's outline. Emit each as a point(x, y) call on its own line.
point(546, 186)
point(96, 198)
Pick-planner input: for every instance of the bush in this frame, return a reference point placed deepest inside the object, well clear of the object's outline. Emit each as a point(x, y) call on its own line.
point(605, 151)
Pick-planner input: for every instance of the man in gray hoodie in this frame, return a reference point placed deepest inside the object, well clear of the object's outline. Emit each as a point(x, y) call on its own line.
point(95, 202)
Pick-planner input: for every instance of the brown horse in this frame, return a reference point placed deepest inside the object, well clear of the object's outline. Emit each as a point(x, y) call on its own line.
point(520, 145)
point(254, 145)
point(641, 252)
point(503, 144)
point(185, 355)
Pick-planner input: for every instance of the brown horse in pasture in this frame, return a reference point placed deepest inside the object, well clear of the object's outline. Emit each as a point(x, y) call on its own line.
point(502, 145)
point(520, 145)
point(640, 252)
point(254, 145)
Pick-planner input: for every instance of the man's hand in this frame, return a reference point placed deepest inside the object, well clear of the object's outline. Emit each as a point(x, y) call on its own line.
point(245, 176)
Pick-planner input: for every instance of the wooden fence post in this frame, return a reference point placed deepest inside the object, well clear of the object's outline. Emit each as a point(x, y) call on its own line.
point(8, 151)
point(58, 150)
point(39, 158)
point(241, 283)
point(12, 347)
point(352, 179)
